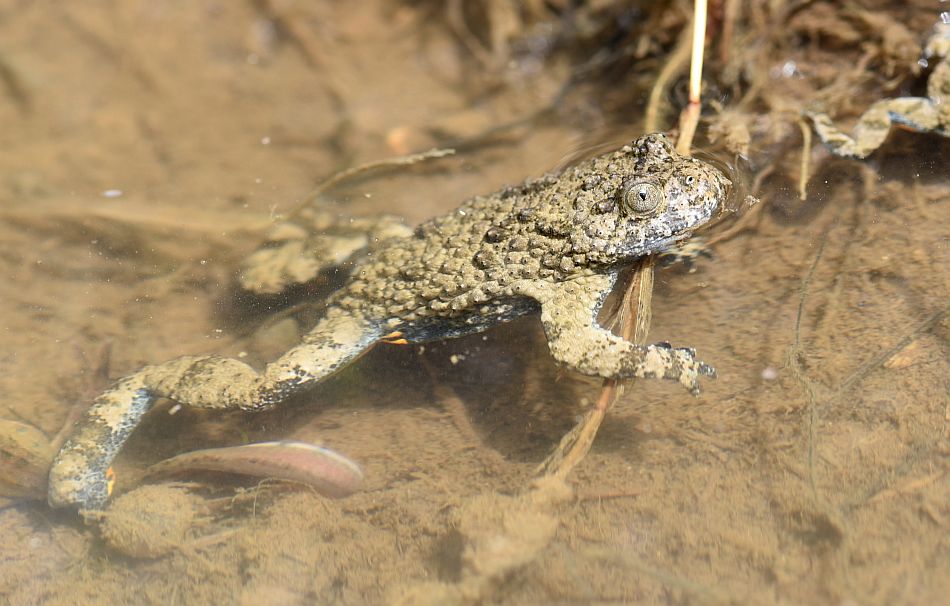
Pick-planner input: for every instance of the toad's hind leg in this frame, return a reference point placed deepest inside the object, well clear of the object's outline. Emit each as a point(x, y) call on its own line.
point(917, 113)
point(78, 476)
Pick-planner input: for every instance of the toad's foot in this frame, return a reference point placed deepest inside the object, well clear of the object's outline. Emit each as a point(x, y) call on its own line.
point(677, 364)
point(568, 314)
point(916, 113)
point(930, 114)
point(79, 476)
point(686, 253)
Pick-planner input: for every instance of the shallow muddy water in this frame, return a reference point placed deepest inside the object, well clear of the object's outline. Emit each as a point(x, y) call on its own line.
point(147, 146)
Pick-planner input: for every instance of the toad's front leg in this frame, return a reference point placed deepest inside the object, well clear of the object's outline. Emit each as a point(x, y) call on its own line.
point(79, 473)
point(569, 316)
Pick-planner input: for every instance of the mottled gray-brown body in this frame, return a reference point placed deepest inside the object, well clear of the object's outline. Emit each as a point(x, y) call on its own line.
point(922, 114)
point(553, 244)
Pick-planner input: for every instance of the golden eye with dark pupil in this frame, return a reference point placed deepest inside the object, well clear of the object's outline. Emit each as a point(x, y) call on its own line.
point(641, 198)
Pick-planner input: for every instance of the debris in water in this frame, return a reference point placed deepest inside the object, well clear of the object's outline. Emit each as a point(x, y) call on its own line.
point(26, 454)
point(327, 471)
point(149, 522)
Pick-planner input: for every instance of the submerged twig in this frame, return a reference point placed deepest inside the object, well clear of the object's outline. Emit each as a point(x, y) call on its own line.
point(675, 64)
point(13, 83)
point(803, 173)
point(795, 355)
point(349, 173)
point(689, 118)
point(576, 444)
point(865, 369)
point(637, 299)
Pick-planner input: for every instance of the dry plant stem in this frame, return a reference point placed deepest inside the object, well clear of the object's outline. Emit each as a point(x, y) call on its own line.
point(689, 119)
point(730, 12)
point(643, 285)
point(676, 63)
point(696, 60)
point(349, 173)
point(803, 172)
point(638, 296)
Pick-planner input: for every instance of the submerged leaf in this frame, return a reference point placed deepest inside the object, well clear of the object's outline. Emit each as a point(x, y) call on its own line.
point(327, 471)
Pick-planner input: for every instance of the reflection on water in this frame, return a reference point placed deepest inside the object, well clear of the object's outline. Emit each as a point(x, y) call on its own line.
point(812, 470)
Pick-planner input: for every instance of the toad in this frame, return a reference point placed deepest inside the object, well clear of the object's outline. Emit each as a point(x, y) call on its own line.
point(553, 245)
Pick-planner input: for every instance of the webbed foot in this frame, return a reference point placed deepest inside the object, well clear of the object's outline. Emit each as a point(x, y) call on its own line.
point(675, 364)
point(686, 253)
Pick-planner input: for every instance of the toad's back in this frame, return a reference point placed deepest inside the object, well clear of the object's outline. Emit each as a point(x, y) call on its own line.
point(554, 228)
point(478, 249)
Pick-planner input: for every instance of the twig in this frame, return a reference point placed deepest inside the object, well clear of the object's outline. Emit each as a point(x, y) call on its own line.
point(677, 62)
point(637, 300)
point(803, 173)
point(349, 173)
point(696, 57)
point(794, 362)
point(865, 369)
point(689, 118)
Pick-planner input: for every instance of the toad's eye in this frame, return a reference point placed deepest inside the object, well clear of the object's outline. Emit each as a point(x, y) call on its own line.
point(641, 198)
